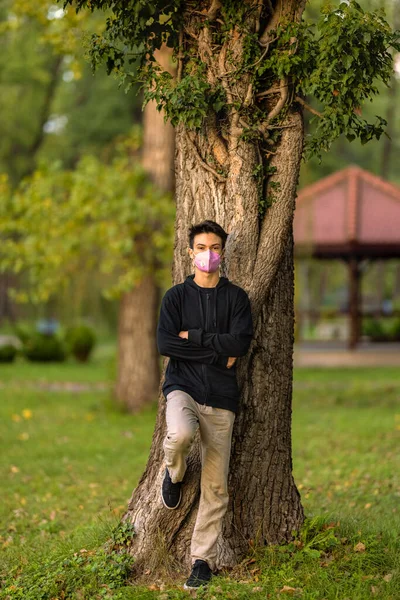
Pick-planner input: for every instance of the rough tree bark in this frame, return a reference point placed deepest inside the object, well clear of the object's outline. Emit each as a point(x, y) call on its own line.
point(265, 504)
point(138, 373)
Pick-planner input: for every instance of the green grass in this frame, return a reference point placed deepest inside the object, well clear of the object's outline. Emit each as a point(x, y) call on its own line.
point(70, 462)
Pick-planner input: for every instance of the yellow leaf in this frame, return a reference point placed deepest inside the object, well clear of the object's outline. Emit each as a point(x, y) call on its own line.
point(360, 547)
point(287, 589)
point(14, 469)
point(27, 413)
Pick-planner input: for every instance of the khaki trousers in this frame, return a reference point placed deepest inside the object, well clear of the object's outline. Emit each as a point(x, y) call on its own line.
point(184, 415)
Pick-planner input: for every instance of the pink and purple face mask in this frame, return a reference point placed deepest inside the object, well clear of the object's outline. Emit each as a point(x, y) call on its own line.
point(207, 261)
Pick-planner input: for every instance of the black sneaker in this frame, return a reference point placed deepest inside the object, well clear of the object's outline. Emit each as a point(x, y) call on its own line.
point(200, 575)
point(171, 493)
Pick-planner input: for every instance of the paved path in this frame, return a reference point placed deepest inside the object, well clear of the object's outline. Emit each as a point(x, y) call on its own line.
point(335, 354)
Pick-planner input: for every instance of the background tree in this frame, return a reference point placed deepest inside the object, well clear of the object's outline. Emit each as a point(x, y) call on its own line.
point(138, 362)
point(105, 217)
point(243, 71)
point(51, 105)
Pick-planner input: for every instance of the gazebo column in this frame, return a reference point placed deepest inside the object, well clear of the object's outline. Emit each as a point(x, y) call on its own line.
point(354, 302)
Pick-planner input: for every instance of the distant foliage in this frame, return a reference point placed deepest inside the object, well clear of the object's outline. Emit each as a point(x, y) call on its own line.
point(80, 340)
point(107, 216)
point(44, 348)
point(336, 64)
point(8, 352)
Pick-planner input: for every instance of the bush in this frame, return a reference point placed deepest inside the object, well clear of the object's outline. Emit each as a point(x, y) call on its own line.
point(395, 330)
point(24, 331)
point(375, 330)
point(80, 340)
point(44, 348)
point(8, 353)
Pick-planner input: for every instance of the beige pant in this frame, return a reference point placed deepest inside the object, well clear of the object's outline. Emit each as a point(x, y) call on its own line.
point(183, 416)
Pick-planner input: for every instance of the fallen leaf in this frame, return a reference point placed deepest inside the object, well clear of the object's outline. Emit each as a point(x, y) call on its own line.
point(27, 413)
point(360, 547)
point(287, 589)
point(374, 590)
point(14, 469)
point(388, 577)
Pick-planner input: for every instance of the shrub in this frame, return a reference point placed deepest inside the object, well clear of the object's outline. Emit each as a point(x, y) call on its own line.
point(395, 330)
point(375, 330)
point(80, 340)
point(24, 331)
point(44, 348)
point(8, 353)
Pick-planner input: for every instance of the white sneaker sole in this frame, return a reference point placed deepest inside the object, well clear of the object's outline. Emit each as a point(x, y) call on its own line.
point(190, 587)
point(169, 507)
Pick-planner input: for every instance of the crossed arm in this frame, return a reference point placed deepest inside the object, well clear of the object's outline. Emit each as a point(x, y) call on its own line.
point(200, 346)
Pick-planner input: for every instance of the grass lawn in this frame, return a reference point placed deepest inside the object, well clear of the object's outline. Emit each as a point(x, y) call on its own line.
point(70, 461)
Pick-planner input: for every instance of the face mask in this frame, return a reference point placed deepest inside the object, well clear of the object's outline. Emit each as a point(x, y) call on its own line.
point(207, 261)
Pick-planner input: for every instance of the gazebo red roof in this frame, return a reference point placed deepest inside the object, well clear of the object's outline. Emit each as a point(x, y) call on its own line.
point(349, 213)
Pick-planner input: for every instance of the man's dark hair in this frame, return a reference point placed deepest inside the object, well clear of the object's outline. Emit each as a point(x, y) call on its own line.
point(207, 226)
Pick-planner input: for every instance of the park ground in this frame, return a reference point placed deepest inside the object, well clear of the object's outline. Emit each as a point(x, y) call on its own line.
point(70, 460)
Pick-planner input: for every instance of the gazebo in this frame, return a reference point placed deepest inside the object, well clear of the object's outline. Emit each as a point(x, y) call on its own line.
point(351, 215)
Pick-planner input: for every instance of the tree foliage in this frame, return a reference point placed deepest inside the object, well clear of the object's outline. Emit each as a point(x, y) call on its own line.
point(103, 215)
point(51, 105)
point(338, 62)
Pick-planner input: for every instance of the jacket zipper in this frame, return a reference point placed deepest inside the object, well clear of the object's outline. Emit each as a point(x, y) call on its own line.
point(203, 365)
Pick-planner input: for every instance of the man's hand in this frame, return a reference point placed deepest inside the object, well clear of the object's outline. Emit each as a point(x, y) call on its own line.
point(231, 360)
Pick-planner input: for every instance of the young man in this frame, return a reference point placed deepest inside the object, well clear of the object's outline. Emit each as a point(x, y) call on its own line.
point(205, 324)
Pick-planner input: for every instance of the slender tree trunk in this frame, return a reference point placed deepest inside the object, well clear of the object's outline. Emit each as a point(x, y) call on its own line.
point(138, 360)
point(265, 504)
point(138, 367)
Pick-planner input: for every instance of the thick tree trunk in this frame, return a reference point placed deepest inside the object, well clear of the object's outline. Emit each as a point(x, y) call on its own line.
point(138, 361)
point(264, 504)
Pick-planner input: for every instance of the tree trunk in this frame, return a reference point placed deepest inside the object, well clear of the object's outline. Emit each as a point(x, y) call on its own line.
point(138, 367)
point(138, 361)
point(264, 503)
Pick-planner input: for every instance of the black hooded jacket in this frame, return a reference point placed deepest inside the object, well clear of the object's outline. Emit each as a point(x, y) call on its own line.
point(219, 325)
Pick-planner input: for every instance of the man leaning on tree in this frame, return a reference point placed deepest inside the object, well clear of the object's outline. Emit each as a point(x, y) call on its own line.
point(205, 325)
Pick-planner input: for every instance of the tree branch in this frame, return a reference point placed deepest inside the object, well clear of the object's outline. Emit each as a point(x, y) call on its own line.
point(180, 57)
point(264, 39)
point(214, 8)
point(283, 89)
point(279, 216)
point(308, 107)
point(201, 161)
